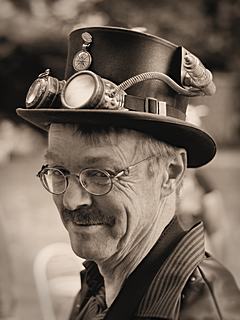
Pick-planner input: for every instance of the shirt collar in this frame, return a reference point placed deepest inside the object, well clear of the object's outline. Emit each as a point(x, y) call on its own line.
point(94, 278)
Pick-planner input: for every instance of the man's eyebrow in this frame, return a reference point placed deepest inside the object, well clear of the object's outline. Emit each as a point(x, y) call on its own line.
point(88, 160)
point(106, 160)
point(49, 155)
point(93, 160)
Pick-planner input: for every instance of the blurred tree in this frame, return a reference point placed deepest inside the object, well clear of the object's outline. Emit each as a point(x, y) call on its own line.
point(32, 38)
point(207, 26)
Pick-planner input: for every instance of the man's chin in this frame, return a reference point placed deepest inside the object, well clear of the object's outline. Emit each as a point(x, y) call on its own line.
point(91, 242)
point(88, 252)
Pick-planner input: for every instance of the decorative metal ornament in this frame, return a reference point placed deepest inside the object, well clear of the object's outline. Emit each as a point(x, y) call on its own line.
point(195, 74)
point(82, 59)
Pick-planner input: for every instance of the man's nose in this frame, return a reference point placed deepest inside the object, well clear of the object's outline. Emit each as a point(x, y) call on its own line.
point(76, 196)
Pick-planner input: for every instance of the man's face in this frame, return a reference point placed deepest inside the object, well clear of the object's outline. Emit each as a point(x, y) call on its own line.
point(101, 227)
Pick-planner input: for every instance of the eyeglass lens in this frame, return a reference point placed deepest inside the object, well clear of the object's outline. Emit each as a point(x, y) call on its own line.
point(95, 181)
point(53, 180)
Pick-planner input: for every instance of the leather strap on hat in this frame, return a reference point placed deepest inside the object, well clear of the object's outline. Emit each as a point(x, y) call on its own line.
point(152, 105)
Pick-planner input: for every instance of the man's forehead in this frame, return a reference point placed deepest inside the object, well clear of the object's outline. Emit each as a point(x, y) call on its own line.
point(58, 133)
point(113, 148)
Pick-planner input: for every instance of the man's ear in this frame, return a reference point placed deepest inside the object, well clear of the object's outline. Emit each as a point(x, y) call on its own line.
point(174, 172)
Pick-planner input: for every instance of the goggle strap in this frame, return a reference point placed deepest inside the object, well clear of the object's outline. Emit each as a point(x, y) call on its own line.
point(152, 105)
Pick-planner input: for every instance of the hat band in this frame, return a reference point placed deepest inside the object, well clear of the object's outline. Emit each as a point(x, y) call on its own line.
point(152, 105)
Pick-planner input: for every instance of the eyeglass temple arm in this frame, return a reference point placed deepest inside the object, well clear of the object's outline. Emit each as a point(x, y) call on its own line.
point(126, 170)
point(43, 167)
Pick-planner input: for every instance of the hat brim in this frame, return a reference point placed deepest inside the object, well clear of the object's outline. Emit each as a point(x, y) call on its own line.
point(199, 145)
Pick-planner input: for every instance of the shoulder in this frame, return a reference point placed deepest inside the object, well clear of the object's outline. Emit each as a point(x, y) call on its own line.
point(210, 291)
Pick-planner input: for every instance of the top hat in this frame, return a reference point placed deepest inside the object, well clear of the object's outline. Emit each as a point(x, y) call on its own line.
point(126, 78)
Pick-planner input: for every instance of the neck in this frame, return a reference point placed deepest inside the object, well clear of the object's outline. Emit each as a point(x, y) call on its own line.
point(119, 267)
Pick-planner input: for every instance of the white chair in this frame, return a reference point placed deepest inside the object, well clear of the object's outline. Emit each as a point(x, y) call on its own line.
point(56, 273)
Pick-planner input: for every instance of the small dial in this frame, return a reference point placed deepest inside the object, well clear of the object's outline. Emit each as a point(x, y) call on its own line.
point(82, 60)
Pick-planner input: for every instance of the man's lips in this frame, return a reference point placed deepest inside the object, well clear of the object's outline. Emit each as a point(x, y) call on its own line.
point(85, 224)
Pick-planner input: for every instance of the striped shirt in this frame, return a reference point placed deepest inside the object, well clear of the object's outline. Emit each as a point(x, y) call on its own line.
point(154, 289)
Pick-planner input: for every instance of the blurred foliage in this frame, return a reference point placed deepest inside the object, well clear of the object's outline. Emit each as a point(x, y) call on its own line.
point(210, 27)
point(33, 34)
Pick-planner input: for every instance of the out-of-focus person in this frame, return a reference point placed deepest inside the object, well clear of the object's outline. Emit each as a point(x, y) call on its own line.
point(201, 200)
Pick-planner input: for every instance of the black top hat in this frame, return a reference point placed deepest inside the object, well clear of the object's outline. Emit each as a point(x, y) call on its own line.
point(141, 82)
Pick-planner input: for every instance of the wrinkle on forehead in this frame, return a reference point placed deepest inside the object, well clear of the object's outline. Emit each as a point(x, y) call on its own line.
point(99, 137)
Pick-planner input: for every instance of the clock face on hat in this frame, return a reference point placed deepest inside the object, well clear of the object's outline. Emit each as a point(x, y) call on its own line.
point(82, 60)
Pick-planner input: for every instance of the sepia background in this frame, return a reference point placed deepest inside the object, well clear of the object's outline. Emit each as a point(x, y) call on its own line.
point(33, 37)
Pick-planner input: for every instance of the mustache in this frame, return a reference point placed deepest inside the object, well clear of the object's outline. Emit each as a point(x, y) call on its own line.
point(87, 216)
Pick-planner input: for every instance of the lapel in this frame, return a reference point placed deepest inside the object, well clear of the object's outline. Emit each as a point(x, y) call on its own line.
point(135, 287)
point(163, 297)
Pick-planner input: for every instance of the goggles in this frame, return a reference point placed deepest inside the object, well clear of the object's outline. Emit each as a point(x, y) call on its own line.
point(85, 89)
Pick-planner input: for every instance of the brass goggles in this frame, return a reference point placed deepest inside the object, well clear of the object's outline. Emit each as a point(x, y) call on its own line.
point(84, 89)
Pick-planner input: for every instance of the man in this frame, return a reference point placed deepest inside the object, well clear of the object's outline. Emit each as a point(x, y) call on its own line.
point(118, 149)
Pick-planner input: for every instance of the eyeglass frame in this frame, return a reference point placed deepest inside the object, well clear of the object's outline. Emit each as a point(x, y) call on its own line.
point(122, 172)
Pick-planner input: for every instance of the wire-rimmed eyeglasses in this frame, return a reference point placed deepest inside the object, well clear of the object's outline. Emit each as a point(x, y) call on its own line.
point(95, 181)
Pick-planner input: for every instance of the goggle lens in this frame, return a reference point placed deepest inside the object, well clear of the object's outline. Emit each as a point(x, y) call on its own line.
point(33, 92)
point(79, 91)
